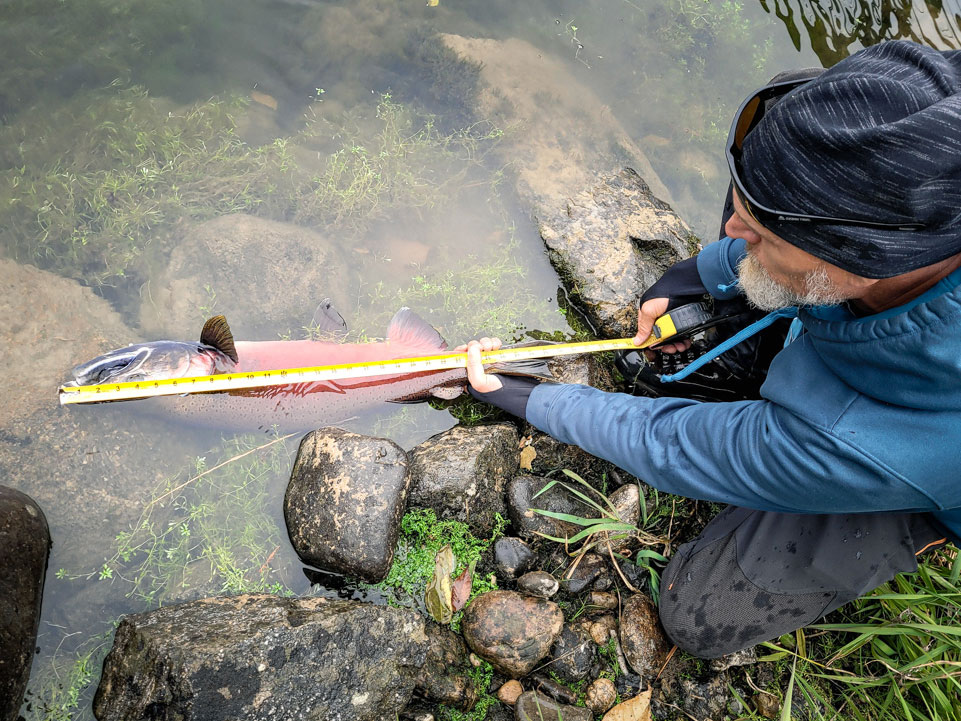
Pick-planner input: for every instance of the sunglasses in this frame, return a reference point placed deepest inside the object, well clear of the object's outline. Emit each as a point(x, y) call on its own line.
point(745, 120)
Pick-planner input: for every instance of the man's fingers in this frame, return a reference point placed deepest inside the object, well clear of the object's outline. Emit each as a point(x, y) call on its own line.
point(649, 312)
point(481, 381)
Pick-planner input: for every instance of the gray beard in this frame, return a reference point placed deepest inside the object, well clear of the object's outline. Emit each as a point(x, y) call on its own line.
point(763, 292)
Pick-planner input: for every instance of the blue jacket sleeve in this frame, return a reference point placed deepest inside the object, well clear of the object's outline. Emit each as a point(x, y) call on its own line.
point(750, 453)
point(717, 266)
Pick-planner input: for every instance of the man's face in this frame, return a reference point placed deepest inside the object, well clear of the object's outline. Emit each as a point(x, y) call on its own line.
point(776, 274)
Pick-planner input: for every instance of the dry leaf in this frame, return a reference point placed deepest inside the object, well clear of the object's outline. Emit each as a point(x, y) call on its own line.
point(460, 588)
point(635, 709)
point(528, 454)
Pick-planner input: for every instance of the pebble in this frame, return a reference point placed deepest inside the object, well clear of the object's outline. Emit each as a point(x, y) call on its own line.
point(538, 583)
point(604, 600)
point(513, 557)
point(635, 709)
point(600, 695)
point(534, 706)
point(601, 629)
point(589, 570)
point(642, 640)
point(510, 692)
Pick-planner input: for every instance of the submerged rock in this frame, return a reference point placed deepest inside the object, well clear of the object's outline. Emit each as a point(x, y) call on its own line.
point(610, 243)
point(534, 706)
point(512, 631)
point(24, 547)
point(255, 657)
point(550, 155)
point(642, 639)
point(462, 473)
point(210, 269)
point(345, 500)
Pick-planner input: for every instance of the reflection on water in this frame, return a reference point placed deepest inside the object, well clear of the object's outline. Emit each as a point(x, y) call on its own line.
point(837, 28)
point(126, 126)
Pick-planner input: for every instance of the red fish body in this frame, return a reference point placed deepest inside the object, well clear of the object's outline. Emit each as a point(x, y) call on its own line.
point(294, 407)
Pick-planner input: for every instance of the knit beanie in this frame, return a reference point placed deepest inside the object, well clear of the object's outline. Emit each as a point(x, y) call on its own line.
point(876, 137)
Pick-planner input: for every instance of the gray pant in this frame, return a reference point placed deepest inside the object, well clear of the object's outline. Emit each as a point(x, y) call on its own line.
point(754, 575)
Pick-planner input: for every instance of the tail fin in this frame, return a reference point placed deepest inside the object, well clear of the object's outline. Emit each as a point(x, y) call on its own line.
point(531, 367)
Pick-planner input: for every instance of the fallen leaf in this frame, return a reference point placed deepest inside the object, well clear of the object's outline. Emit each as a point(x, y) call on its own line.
point(635, 709)
point(438, 596)
point(528, 454)
point(460, 588)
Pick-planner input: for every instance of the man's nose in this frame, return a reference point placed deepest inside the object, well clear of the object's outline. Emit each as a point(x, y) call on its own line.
point(735, 227)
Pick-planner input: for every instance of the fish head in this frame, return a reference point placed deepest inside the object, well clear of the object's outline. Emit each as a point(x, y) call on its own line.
point(158, 360)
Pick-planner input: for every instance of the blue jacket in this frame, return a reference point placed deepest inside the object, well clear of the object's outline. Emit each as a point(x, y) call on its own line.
point(858, 415)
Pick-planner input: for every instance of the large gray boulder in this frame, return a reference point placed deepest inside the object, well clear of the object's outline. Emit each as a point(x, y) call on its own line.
point(345, 500)
point(261, 657)
point(209, 272)
point(609, 243)
point(462, 473)
point(24, 547)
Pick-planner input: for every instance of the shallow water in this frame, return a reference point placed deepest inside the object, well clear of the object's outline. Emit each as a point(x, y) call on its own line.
point(386, 156)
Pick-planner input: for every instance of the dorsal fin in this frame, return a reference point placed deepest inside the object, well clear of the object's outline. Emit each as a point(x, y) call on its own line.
point(409, 328)
point(327, 321)
point(216, 333)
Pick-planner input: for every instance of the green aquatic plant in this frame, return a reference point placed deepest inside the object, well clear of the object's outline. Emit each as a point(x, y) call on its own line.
point(86, 185)
point(60, 685)
point(206, 531)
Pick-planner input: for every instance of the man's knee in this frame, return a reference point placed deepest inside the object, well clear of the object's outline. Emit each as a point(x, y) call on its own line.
point(695, 624)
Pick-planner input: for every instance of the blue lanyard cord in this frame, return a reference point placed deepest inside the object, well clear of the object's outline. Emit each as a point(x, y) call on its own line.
point(741, 335)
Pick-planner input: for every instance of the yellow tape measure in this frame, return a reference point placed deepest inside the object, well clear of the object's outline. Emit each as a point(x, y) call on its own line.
point(663, 328)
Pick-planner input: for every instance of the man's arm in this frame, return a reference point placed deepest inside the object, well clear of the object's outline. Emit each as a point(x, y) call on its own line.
point(750, 453)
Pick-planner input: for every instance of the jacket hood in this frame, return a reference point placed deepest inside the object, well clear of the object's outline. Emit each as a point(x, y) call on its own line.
point(908, 356)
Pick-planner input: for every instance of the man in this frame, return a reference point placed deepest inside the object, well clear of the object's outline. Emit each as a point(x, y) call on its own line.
point(847, 203)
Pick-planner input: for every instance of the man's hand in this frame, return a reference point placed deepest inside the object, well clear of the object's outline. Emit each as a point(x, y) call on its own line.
point(649, 312)
point(479, 380)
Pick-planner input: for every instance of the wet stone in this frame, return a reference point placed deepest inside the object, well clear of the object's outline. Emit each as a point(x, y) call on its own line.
point(345, 500)
point(553, 689)
point(512, 557)
point(642, 639)
point(627, 504)
point(443, 677)
point(591, 570)
point(534, 706)
point(603, 600)
point(600, 695)
point(745, 657)
point(538, 583)
point(511, 631)
point(521, 504)
point(247, 657)
point(24, 548)
point(573, 653)
point(462, 473)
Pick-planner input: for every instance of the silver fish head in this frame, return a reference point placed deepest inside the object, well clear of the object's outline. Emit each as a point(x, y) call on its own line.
point(152, 361)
